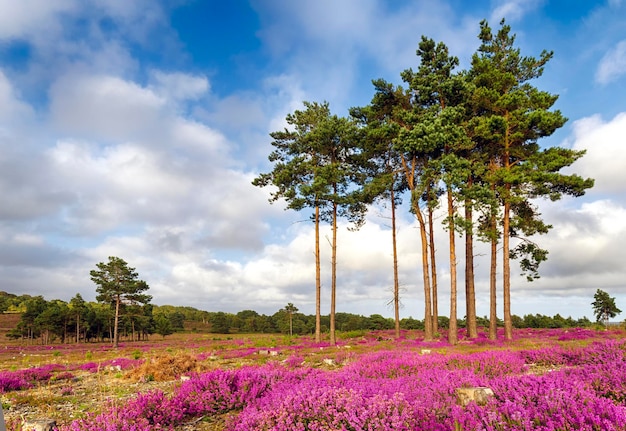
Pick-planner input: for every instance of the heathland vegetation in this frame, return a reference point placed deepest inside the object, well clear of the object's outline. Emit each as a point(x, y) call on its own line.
point(543, 379)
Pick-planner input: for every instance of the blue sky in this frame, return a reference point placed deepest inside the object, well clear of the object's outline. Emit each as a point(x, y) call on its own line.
point(134, 129)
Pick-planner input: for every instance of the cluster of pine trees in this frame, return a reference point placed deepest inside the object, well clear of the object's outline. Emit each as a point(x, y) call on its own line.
point(465, 140)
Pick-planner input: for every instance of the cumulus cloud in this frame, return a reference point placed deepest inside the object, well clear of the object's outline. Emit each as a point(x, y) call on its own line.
point(613, 65)
point(584, 253)
point(605, 152)
point(25, 177)
point(32, 17)
point(513, 10)
point(106, 107)
point(179, 86)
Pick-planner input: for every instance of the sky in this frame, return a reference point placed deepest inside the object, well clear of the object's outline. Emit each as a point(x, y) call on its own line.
point(135, 128)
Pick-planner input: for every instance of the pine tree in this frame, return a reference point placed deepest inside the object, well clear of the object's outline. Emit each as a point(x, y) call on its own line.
point(381, 164)
point(440, 94)
point(604, 307)
point(510, 116)
point(315, 167)
point(118, 284)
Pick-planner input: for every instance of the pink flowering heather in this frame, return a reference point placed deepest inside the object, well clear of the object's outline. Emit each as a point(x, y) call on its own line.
point(550, 402)
point(215, 392)
point(146, 412)
point(330, 408)
point(26, 378)
point(398, 390)
point(12, 382)
point(221, 391)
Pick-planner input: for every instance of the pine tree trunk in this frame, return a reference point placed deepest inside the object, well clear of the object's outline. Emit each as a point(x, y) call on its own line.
point(333, 285)
point(318, 279)
point(493, 310)
point(433, 270)
point(428, 323)
point(452, 329)
point(396, 283)
point(506, 236)
point(470, 291)
point(506, 274)
point(116, 334)
point(77, 328)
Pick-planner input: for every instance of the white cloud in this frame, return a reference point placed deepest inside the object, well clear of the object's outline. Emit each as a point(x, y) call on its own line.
point(513, 10)
point(24, 18)
point(105, 107)
point(585, 253)
point(588, 240)
point(179, 86)
point(606, 154)
point(613, 64)
point(188, 187)
point(237, 111)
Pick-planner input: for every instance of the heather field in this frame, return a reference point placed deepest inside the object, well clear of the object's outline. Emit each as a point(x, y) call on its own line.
point(543, 380)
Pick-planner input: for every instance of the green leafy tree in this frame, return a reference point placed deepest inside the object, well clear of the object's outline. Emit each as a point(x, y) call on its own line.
point(377, 322)
point(78, 308)
point(510, 116)
point(314, 168)
point(6, 300)
point(220, 322)
point(248, 321)
point(118, 284)
point(177, 320)
point(28, 325)
point(163, 326)
point(382, 166)
point(394, 115)
point(440, 95)
point(604, 307)
point(297, 161)
point(52, 321)
point(290, 310)
point(139, 320)
point(99, 319)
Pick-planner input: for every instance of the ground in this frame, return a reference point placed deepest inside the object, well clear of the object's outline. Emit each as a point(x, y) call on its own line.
point(145, 366)
point(87, 377)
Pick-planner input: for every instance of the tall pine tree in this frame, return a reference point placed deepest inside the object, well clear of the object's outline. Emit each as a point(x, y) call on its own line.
point(511, 115)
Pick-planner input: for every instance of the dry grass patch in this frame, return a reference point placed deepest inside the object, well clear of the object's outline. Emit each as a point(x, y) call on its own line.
point(163, 368)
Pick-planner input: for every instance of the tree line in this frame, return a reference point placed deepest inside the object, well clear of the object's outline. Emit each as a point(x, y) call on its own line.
point(77, 321)
point(464, 141)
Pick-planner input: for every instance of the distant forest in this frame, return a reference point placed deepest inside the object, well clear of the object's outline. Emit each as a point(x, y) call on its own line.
point(56, 321)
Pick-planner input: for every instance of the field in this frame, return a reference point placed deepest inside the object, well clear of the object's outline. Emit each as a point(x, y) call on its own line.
point(545, 379)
